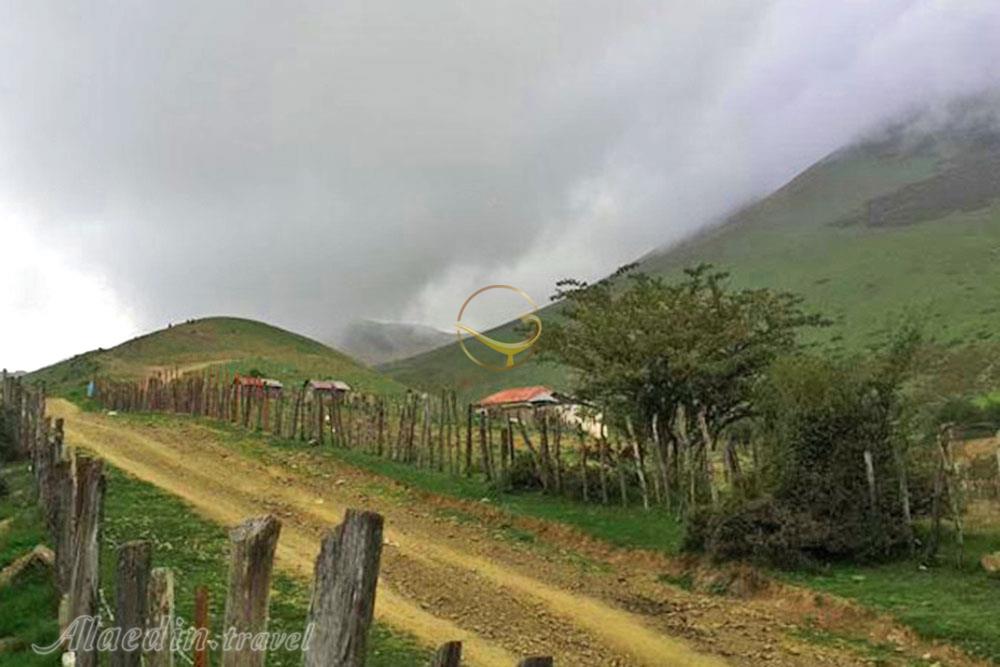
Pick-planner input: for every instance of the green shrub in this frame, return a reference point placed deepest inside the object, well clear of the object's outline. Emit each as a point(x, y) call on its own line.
point(817, 420)
point(521, 475)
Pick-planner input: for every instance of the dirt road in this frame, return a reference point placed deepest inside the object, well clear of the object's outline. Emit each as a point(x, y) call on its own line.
point(449, 568)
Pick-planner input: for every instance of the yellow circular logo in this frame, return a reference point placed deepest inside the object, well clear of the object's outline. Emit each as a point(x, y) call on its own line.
point(509, 350)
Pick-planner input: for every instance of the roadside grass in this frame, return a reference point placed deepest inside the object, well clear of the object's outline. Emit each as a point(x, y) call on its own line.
point(29, 607)
point(945, 602)
point(197, 551)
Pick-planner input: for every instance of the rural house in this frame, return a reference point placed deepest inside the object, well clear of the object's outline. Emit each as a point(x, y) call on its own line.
point(520, 397)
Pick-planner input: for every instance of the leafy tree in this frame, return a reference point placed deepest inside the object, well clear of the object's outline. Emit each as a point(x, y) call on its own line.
point(686, 355)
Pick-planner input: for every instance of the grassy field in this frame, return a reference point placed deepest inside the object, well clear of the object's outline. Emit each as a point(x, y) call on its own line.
point(195, 549)
point(959, 605)
point(225, 343)
point(814, 237)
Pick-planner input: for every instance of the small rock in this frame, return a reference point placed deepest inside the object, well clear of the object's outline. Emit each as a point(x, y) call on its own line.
point(991, 562)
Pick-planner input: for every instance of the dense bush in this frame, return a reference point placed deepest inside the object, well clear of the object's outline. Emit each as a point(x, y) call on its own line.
point(521, 475)
point(817, 419)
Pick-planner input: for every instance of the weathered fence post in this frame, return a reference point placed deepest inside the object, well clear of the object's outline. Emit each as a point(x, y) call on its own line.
point(251, 562)
point(448, 654)
point(870, 477)
point(159, 618)
point(131, 582)
point(201, 626)
point(87, 512)
point(62, 520)
point(468, 440)
point(998, 472)
point(343, 597)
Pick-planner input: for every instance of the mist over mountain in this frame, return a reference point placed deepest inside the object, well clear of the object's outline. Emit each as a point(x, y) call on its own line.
point(377, 342)
point(904, 223)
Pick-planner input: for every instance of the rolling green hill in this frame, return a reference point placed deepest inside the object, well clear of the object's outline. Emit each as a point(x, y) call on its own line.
point(908, 225)
point(230, 343)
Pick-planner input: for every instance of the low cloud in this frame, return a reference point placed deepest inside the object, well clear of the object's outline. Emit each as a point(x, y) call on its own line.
point(311, 163)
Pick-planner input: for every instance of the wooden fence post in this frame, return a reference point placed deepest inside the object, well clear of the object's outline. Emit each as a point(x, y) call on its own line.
point(870, 477)
point(201, 626)
point(251, 562)
point(62, 519)
point(448, 654)
point(343, 596)
point(160, 618)
point(88, 511)
point(468, 440)
point(998, 472)
point(131, 583)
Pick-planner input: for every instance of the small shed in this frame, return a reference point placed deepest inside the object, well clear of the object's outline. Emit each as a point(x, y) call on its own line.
point(269, 386)
point(327, 387)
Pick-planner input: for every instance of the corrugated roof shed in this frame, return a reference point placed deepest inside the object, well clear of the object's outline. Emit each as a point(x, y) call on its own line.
point(520, 395)
point(329, 385)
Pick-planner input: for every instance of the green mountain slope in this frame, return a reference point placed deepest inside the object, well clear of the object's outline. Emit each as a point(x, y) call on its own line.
point(234, 344)
point(908, 225)
point(449, 367)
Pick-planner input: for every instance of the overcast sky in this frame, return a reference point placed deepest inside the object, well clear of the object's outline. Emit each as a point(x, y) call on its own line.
point(308, 163)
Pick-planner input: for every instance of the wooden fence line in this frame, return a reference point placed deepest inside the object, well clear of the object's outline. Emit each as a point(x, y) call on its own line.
point(523, 446)
point(71, 488)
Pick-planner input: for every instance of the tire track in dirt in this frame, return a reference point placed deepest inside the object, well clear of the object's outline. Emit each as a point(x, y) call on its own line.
point(496, 611)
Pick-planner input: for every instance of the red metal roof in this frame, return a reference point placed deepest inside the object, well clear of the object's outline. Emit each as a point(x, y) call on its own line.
point(537, 394)
point(250, 381)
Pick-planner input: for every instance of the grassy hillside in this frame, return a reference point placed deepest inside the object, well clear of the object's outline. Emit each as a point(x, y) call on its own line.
point(904, 226)
point(874, 233)
point(234, 344)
